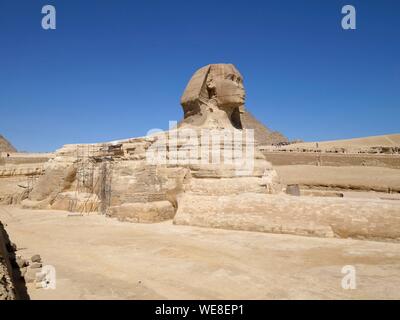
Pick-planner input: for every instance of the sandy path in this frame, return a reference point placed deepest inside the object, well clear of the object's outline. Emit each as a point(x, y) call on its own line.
point(97, 257)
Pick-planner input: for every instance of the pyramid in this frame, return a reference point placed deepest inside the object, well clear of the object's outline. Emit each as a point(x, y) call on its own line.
point(5, 146)
point(262, 135)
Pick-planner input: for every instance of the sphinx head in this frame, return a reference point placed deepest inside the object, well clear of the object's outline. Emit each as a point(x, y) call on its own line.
point(215, 87)
point(225, 85)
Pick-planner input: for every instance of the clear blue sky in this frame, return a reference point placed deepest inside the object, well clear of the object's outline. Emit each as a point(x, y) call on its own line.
point(115, 69)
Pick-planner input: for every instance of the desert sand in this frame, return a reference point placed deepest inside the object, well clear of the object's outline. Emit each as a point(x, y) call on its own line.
point(389, 140)
point(101, 258)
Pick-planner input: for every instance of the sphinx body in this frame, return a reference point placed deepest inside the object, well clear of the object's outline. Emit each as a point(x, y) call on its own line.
point(117, 178)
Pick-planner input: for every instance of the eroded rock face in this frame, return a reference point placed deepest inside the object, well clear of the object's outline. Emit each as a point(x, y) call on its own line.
point(18, 173)
point(7, 288)
point(307, 216)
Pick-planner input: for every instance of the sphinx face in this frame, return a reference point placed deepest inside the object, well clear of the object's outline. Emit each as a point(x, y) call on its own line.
point(214, 95)
point(226, 88)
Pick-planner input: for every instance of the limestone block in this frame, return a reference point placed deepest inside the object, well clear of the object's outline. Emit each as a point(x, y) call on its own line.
point(36, 258)
point(36, 265)
point(20, 262)
point(56, 179)
point(74, 201)
point(30, 204)
point(309, 216)
point(256, 168)
point(143, 212)
point(139, 182)
point(30, 275)
point(225, 186)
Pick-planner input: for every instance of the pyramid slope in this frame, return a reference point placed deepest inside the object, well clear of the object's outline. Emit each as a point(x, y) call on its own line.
point(6, 146)
point(262, 135)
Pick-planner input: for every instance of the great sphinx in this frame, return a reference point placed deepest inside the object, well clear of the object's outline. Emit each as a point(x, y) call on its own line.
point(116, 178)
point(147, 192)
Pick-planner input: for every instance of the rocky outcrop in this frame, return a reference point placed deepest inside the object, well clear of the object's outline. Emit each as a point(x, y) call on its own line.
point(307, 216)
point(7, 287)
point(18, 174)
point(278, 158)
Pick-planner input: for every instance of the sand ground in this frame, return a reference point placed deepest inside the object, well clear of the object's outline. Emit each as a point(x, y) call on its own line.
point(100, 258)
point(388, 140)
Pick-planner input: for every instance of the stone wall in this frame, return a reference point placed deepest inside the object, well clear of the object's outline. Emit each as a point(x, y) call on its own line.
point(18, 174)
point(306, 216)
point(332, 159)
point(378, 179)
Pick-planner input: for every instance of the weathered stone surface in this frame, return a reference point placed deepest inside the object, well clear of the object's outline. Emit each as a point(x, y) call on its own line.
point(293, 189)
point(18, 174)
point(23, 271)
point(310, 216)
point(40, 276)
point(40, 284)
point(11, 170)
point(36, 265)
point(213, 98)
point(30, 275)
point(7, 288)
point(31, 204)
point(224, 186)
point(155, 211)
point(74, 201)
point(57, 178)
point(20, 262)
point(36, 258)
point(138, 182)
